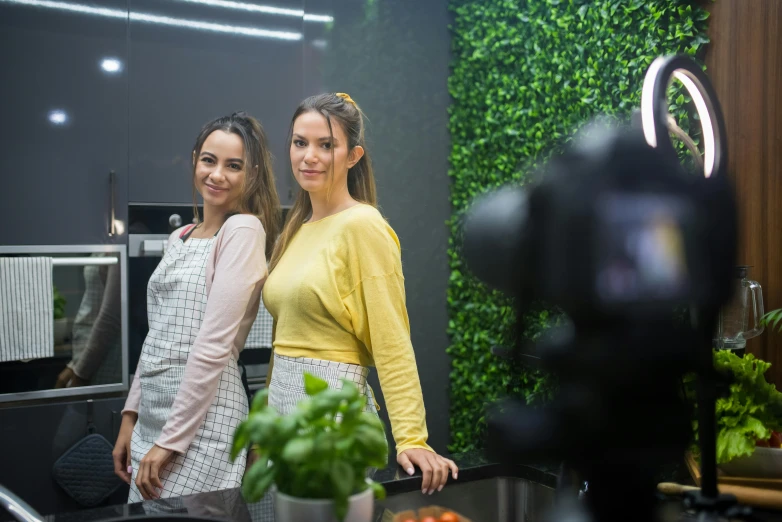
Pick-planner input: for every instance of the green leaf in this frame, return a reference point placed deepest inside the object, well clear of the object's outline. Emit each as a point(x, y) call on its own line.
point(257, 480)
point(261, 426)
point(241, 439)
point(374, 421)
point(342, 477)
point(740, 441)
point(286, 426)
point(314, 385)
point(341, 505)
point(344, 444)
point(350, 390)
point(378, 490)
point(260, 400)
point(298, 450)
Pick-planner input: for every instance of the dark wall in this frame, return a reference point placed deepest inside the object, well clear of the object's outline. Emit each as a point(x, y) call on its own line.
point(392, 57)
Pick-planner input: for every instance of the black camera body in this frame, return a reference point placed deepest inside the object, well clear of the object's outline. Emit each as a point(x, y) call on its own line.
point(617, 234)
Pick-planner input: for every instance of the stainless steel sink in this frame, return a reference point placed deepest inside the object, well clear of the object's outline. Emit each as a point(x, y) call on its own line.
point(497, 499)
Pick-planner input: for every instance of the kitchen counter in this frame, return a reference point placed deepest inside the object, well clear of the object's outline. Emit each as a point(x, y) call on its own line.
point(229, 504)
point(497, 491)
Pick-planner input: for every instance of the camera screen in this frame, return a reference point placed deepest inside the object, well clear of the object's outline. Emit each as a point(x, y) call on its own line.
point(642, 255)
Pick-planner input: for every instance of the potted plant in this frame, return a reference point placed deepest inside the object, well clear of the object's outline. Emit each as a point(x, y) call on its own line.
point(748, 415)
point(317, 456)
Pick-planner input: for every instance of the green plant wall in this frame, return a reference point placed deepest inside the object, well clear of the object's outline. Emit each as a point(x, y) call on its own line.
point(526, 75)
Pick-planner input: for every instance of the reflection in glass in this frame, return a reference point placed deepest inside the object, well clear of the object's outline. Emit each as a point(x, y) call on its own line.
point(96, 344)
point(87, 318)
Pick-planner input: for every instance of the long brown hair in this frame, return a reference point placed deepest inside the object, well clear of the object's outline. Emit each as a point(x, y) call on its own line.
point(361, 179)
point(259, 193)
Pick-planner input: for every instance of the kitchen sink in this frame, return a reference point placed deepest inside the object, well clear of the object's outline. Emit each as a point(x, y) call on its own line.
point(500, 499)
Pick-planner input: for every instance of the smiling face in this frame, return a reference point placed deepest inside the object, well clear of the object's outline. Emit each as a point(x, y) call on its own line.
point(320, 159)
point(220, 170)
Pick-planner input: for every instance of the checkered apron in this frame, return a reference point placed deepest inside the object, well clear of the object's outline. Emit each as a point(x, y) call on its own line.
point(176, 300)
point(286, 387)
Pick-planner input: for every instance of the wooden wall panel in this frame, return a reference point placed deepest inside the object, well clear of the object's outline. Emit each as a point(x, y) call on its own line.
point(744, 62)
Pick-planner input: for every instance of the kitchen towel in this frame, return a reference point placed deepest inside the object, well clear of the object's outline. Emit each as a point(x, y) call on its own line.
point(26, 308)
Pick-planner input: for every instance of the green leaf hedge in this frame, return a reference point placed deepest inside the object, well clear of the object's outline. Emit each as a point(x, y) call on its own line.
point(525, 76)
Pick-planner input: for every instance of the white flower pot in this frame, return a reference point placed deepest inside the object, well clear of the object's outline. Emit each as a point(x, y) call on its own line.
point(294, 509)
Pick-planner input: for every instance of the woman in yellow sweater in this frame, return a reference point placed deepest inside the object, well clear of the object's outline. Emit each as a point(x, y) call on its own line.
point(336, 289)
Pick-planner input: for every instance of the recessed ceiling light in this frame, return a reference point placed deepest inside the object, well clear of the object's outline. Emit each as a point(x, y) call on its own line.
point(111, 65)
point(58, 117)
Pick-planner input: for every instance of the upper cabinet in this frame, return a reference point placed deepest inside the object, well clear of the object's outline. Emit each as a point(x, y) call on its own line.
point(64, 108)
point(101, 102)
point(193, 61)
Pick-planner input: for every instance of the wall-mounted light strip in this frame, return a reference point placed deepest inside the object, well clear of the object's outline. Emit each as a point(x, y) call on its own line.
point(266, 9)
point(243, 6)
point(157, 19)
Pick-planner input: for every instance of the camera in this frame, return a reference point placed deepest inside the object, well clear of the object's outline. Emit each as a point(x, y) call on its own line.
point(617, 234)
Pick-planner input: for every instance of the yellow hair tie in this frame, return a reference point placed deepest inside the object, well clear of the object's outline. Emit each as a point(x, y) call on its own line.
point(345, 96)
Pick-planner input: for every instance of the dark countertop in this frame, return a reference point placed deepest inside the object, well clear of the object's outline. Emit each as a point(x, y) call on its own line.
point(229, 504)
point(474, 468)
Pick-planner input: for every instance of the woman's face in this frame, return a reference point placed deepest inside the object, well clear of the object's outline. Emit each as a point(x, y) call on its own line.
point(220, 170)
point(311, 149)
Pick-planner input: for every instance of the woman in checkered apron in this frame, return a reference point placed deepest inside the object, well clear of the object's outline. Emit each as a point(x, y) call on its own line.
point(187, 396)
point(336, 289)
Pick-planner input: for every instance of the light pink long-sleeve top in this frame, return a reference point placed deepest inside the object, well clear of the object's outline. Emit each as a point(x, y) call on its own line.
point(235, 272)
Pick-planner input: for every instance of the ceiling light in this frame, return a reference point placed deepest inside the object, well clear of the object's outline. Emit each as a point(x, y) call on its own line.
point(157, 19)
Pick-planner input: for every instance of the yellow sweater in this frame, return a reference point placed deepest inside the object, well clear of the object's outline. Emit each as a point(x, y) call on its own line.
point(338, 294)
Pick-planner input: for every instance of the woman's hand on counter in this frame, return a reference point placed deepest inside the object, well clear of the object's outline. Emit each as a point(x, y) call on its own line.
point(121, 451)
point(148, 477)
point(433, 467)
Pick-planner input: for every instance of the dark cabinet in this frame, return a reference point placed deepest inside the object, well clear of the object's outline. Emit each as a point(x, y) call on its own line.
point(207, 60)
point(34, 437)
point(64, 113)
